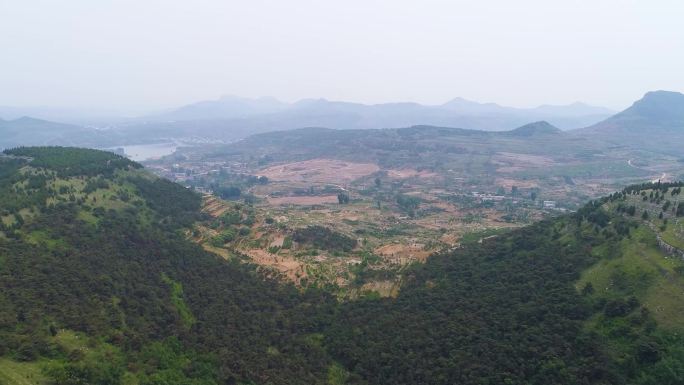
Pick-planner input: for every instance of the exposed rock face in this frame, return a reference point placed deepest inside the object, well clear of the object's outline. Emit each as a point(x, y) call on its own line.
point(666, 247)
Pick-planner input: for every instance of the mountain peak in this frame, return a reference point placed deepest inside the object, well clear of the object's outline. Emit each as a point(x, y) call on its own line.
point(663, 104)
point(536, 128)
point(573, 109)
point(28, 119)
point(655, 108)
point(654, 122)
point(469, 106)
point(226, 107)
point(663, 95)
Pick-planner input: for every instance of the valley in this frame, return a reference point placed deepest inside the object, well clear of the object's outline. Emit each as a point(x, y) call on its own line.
point(398, 194)
point(386, 234)
point(300, 192)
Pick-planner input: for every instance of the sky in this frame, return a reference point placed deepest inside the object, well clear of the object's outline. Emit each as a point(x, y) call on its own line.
point(152, 54)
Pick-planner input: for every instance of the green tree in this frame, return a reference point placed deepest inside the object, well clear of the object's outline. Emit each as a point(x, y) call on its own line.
point(343, 198)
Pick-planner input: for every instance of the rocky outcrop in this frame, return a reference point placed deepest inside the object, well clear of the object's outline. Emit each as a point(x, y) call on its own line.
point(666, 247)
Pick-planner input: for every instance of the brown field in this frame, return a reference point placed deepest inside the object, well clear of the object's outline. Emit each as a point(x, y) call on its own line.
point(320, 171)
point(432, 231)
point(508, 183)
point(536, 160)
point(403, 254)
point(287, 267)
point(409, 173)
point(214, 206)
point(512, 162)
point(302, 200)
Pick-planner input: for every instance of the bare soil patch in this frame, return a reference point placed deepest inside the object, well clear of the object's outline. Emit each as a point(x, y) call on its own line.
point(320, 171)
point(403, 254)
point(508, 183)
point(303, 200)
point(288, 267)
point(409, 173)
point(214, 206)
point(512, 162)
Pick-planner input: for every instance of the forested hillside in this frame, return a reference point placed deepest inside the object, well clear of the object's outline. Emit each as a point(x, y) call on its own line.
point(100, 284)
point(528, 308)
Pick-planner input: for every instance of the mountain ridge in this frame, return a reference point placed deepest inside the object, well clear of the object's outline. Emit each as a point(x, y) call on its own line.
point(340, 114)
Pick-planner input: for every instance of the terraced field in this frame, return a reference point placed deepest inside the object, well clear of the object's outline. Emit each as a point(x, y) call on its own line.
point(386, 240)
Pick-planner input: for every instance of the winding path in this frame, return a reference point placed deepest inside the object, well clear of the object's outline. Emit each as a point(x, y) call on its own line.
point(663, 178)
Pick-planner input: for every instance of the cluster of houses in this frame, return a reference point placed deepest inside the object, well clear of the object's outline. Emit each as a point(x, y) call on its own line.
point(487, 197)
point(185, 172)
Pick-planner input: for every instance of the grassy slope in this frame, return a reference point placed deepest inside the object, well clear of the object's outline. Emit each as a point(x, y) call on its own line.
point(20, 373)
point(178, 301)
point(641, 250)
point(34, 373)
point(646, 284)
point(642, 270)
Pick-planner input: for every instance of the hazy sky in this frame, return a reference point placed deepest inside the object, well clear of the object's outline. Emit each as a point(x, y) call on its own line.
point(151, 54)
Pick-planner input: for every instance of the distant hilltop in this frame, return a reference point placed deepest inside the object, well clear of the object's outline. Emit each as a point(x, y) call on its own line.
point(536, 128)
point(654, 122)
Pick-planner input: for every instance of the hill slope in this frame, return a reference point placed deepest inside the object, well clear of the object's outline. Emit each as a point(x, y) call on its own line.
point(416, 146)
point(655, 122)
point(657, 108)
point(97, 278)
point(28, 131)
point(591, 298)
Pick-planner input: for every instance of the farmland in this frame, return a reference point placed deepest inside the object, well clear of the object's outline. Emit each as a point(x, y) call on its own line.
point(401, 194)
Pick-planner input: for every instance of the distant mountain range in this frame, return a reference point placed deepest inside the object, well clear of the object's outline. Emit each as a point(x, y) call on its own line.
point(655, 122)
point(227, 107)
point(268, 114)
